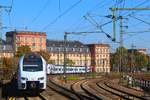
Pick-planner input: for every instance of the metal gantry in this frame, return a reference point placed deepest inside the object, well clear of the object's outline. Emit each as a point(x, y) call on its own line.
point(122, 9)
point(121, 18)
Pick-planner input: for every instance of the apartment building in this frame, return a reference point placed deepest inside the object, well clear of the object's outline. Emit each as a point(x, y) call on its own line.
point(35, 40)
point(5, 49)
point(100, 57)
point(77, 52)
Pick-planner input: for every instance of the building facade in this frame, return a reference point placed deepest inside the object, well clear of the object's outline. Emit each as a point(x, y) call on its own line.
point(35, 40)
point(6, 50)
point(142, 50)
point(76, 52)
point(6, 54)
point(100, 57)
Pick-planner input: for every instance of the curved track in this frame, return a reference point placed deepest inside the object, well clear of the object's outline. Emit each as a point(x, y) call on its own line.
point(107, 86)
point(89, 90)
point(76, 87)
point(104, 89)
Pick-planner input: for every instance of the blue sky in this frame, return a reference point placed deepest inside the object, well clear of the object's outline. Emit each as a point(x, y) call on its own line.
point(36, 15)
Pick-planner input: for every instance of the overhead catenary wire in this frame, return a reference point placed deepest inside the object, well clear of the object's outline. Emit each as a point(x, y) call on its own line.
point(101, 4)
point(78, 22)
point(125, 14)
point(59, 5)
point(140, 20)
point(40, 12)
point(61, 15)
point(100, 26)
point(9, 13)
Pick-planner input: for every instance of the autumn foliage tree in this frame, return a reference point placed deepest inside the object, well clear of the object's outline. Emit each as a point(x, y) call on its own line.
point(23, 50)
point(123, 60)
point(45, 55)
point(7, 62)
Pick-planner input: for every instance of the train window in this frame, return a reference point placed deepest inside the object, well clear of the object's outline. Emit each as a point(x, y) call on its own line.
point(32, 63)
point(32, 68)
point(59, 69)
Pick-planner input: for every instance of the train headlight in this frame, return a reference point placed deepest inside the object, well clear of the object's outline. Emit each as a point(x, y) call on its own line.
point(41, 78)
point(23, 78)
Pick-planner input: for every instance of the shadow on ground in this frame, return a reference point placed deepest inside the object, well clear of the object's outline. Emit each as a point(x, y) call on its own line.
point(10, 90)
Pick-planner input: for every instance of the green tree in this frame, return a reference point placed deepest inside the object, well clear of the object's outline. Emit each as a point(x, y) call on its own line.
point(141, 60)
point(128, 60)
point(119, 59)
point(23, 50)
point(69, 62)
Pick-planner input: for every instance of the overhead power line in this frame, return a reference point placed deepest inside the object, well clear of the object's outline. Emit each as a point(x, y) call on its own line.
point(61, 15)
point(9, 12)
point(40, 12)
point(140, 20)
point(59, 6)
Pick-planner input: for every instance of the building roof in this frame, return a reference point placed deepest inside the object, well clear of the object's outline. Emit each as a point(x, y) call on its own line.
point(10, 33)
point(102, 45)
point(72, 46)
point(142, 50)
point(60, 43)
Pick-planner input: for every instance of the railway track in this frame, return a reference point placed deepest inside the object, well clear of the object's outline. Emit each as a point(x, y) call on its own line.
point(94, 91)
point(76, 87)
point(91, 92)
point(108, 92)
point(64, 91)
point(102, 89)
point(103, 84)
point(38, 97)
point(128, 92)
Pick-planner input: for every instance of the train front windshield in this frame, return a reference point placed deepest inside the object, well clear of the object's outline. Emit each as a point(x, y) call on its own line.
point(32, 64)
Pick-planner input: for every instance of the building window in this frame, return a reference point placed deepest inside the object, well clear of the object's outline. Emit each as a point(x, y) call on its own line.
point(87, 50)
point(26, 40)
point(97, 50)
point(80, 49)
point(58, 49)
point(80, 62)
point(51, 49)
point(108, 50)
point(73, 49)
point(66, 49)
point(100, 50)
point(101, 61)
point(33, 40)
point(41, 40)
point(17, 39)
